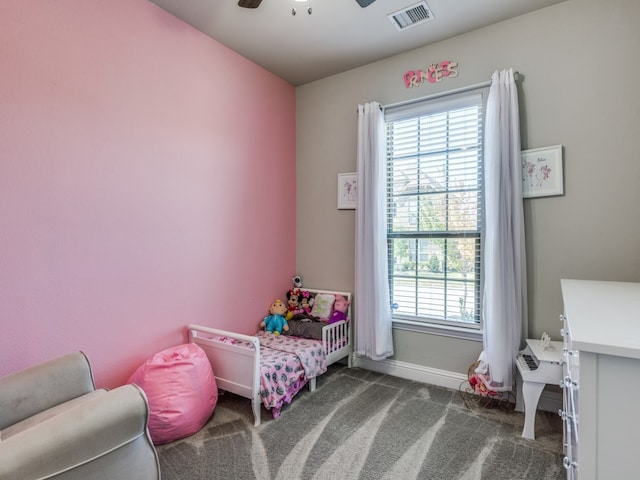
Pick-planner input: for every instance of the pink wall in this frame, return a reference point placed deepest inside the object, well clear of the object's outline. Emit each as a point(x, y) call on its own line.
point(147, 180)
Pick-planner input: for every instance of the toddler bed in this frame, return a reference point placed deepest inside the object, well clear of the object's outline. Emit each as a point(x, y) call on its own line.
point(271, 369)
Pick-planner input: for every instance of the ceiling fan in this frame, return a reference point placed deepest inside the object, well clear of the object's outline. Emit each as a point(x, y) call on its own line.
point(256, 3)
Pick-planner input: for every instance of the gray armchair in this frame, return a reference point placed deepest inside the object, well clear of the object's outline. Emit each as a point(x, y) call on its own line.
point(55, 424)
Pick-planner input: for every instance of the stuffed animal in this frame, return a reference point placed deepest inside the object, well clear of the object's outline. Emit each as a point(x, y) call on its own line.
point(340, 307)
point(275, 322)
point(306, 302)
point(293, 303)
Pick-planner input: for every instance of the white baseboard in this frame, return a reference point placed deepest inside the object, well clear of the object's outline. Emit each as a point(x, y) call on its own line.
point(549, 401)
point(411, 371)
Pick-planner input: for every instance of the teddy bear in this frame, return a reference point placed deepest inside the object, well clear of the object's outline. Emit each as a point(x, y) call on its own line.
point(275, 322)
point(340, 307)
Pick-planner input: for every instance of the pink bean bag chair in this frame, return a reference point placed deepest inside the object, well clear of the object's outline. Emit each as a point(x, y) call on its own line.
point(181, 391)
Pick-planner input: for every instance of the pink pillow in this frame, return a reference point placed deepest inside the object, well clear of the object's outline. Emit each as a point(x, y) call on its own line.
point(181, 391)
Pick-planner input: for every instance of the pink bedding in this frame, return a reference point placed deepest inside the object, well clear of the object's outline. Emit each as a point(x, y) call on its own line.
point(287, 364)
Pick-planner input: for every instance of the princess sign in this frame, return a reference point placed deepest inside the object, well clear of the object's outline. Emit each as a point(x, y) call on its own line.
point(434, 73)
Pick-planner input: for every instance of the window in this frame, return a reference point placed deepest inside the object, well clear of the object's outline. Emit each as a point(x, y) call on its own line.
point(434, 208)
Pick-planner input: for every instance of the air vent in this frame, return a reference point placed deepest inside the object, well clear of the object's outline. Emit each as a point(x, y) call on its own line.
point(411, 16)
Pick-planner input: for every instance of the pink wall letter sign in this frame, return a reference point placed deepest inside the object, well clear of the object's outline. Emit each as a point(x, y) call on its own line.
point(434, 73)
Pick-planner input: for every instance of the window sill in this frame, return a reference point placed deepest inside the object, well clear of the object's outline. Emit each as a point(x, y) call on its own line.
point(435, 329)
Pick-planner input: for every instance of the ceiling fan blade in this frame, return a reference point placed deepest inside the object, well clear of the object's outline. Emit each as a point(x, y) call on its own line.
point(249, 3)
point(365, 3)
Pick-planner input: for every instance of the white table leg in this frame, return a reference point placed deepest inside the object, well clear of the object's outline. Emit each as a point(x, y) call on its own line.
point(531, 394)
point(519, 400)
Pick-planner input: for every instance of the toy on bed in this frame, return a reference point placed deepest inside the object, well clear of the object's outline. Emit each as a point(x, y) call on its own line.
point(301, 305)
point(340, 308)
point(293, 303)
point(306, 301)
point(275, 322)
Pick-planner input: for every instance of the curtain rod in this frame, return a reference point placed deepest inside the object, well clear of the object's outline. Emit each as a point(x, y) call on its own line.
point(442, 94)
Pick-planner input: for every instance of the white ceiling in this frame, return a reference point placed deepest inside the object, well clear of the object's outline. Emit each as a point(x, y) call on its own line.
point(339, 35)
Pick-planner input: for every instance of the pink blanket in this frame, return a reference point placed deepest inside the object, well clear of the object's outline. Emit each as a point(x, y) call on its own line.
point(309, 352)
point(286, 365)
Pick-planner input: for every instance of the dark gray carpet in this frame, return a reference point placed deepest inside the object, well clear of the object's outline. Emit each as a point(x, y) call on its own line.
point(362, 425)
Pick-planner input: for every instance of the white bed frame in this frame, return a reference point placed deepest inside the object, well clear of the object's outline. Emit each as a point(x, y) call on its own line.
point(237, 368)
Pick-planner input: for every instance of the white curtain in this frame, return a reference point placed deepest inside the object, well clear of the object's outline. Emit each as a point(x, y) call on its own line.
point(505, 289)
point(373, 337)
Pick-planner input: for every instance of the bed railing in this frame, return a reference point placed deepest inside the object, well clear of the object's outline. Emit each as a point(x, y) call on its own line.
point(236, 367)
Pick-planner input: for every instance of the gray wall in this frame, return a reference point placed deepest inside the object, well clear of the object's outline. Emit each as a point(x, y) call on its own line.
point(580, 70)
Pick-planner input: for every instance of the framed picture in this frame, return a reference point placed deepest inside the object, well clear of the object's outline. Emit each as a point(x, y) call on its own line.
point(542, 172)
point(347, 191)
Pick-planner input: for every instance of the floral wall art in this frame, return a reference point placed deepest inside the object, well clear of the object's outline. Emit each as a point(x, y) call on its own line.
point(542, 172)
point(347, 191)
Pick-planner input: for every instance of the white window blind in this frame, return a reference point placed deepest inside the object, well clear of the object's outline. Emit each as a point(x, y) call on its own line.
point(434, 200)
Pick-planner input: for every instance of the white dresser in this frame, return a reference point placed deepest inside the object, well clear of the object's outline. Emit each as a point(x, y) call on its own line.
point(601, 381)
